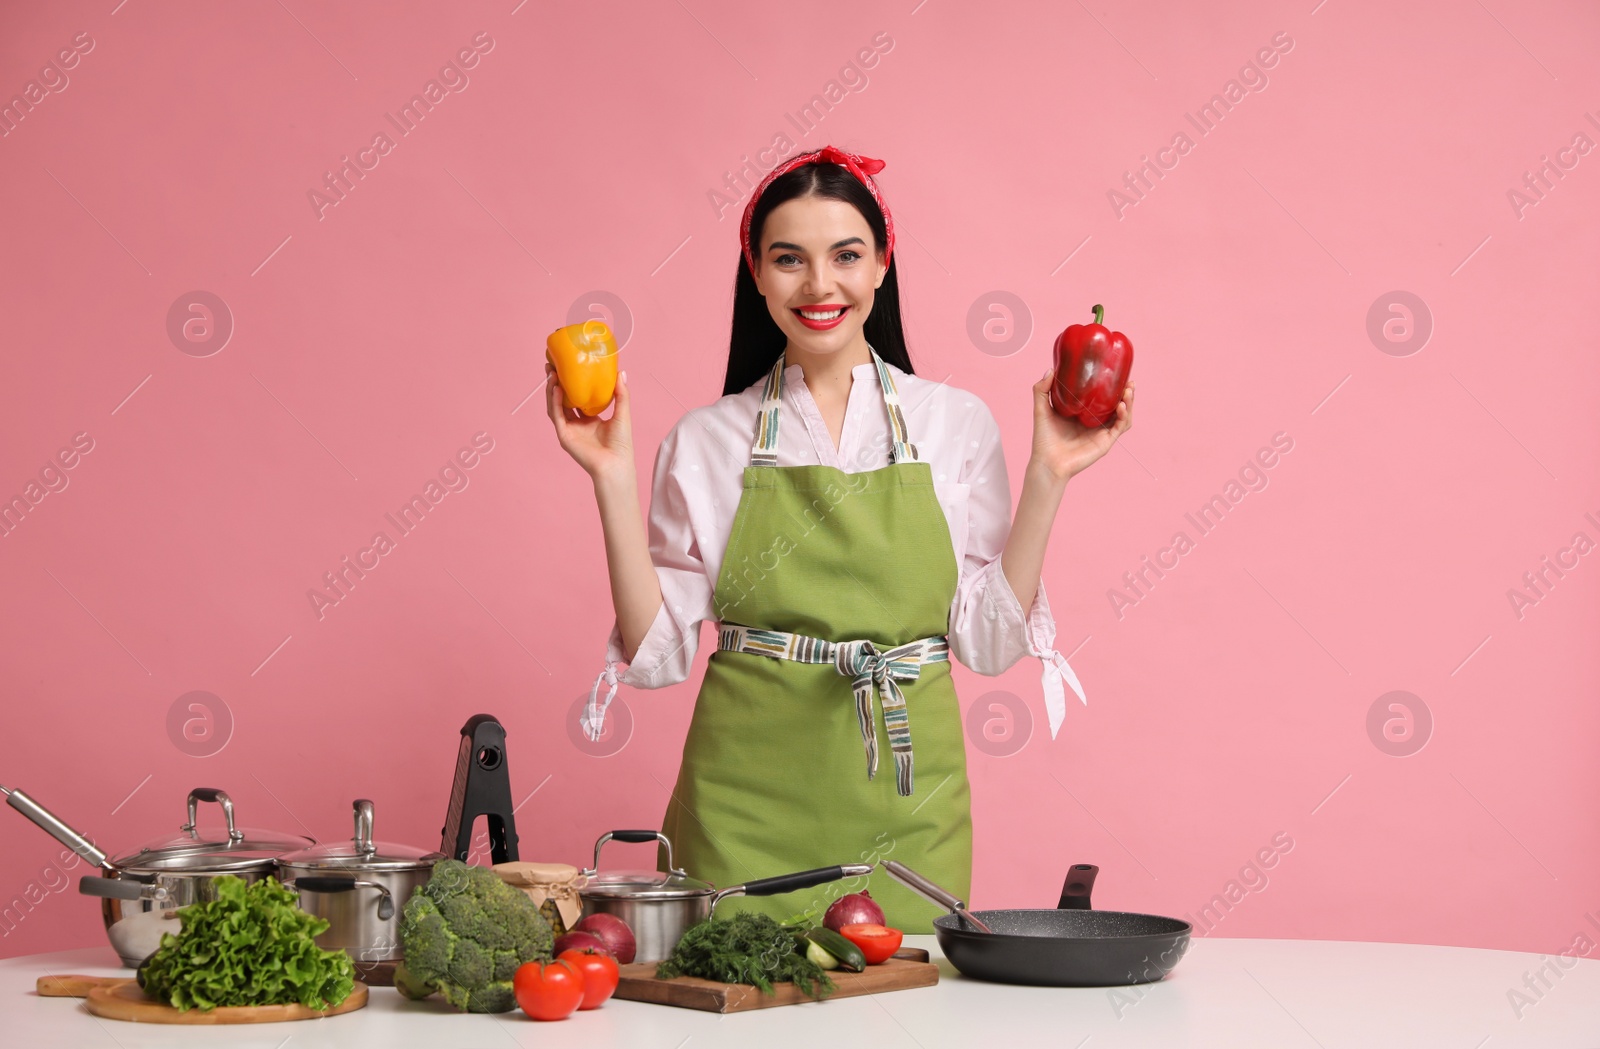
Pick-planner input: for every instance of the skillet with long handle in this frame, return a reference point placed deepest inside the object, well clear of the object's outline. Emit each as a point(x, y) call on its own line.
point(1070, 946)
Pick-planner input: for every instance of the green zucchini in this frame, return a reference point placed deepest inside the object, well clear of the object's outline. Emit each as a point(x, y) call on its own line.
point(850, 957)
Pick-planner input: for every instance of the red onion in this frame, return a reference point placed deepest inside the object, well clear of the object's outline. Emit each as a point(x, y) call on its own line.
point(613, 932)
point(858, 908)
point(581, 941)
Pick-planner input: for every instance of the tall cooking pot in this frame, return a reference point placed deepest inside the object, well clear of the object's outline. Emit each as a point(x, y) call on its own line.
point(359, 886)
point(142, 890)
point(659, 906)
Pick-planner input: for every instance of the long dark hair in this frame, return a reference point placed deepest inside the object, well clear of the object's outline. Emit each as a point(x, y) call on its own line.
point(756, 340)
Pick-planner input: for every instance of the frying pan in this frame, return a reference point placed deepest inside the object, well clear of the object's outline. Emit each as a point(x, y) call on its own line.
point(1071, 946)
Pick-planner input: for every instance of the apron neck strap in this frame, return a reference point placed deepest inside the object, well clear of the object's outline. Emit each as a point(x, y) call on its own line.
point(764, 452)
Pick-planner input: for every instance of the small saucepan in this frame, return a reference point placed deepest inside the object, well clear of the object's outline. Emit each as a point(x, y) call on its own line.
point(360, 887)
point(659, 906)
point(1071, 946)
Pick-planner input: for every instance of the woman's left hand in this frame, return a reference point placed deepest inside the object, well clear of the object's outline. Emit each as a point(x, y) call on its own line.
point(1063, 446)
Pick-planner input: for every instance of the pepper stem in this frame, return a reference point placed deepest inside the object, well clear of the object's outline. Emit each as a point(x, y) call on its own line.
point(1099, 314)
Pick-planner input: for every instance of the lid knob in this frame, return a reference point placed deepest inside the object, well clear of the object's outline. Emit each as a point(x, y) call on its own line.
point(200, 794)
point(363, 817)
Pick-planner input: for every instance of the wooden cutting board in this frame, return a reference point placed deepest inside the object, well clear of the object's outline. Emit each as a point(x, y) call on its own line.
point(909, 967)
point(119, 998)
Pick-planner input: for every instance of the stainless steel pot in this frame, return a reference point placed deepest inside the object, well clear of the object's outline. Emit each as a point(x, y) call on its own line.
point(659, 906)
point(141, 891)
point(359, 886)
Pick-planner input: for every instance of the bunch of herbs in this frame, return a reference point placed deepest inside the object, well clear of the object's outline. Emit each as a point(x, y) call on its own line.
point(746, 948)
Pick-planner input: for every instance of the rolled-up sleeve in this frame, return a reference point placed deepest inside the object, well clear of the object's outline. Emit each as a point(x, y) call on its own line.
point(666, 654)
point(989, 631)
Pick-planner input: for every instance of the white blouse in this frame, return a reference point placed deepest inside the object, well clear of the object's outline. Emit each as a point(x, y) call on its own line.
point(699, 477)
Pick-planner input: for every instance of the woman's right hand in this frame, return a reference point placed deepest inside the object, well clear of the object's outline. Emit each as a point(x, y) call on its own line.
point(601, 446)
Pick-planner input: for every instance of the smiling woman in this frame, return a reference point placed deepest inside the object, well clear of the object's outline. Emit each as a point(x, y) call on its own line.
point(816, 227)
point(845, 560)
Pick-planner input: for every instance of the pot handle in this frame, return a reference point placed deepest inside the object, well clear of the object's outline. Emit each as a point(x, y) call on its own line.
point(319, 883)
point(1079, 883)
point(200, 794)
point(636, 836)
point(119, 888)
point(791, 882)
point(54, 827)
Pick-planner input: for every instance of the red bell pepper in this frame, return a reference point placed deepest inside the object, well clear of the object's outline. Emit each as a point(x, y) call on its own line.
point(1092, 367)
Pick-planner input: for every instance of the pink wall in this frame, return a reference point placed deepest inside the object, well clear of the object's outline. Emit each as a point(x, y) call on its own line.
point(1231, 705)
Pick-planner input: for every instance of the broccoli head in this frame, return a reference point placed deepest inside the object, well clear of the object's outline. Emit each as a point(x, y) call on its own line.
point(408, 985)
point(464, 934)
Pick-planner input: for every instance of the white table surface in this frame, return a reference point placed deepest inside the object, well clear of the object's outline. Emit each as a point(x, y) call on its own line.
point(1225, 993)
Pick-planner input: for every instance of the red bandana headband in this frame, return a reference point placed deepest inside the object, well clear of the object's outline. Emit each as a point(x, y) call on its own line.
point(863, 168)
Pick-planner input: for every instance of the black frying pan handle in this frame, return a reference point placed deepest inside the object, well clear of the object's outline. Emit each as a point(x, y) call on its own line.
point(1079, 883)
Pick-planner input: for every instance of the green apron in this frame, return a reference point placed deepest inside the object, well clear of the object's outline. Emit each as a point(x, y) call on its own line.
point(773, 778)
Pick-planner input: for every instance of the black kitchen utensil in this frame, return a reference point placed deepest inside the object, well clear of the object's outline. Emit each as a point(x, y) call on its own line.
point(1071, 946)
point(482, 787)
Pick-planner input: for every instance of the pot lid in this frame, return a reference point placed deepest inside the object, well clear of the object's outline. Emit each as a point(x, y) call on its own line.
point(361, 853)
point(644, 885)
point(195, 849)
point(670, 884)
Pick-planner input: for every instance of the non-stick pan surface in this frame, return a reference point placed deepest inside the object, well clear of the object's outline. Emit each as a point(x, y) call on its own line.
point(1064, 948)
point(1071, 946)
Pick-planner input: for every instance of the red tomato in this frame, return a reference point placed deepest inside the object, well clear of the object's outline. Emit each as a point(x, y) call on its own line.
point(548, 990)
point(600, 974)
point(877, 942)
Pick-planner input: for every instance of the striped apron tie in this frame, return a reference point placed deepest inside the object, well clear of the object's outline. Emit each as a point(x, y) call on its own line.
point(872, 671)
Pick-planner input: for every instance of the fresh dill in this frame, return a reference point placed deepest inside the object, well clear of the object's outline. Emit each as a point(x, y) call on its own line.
point(746, 948)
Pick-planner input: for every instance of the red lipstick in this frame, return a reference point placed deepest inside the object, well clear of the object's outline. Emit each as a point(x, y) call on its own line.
point(839, 309)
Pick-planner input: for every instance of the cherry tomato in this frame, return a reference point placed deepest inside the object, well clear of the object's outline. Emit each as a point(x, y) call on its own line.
point(600, 974)
point(548, 990)
point(877, 942)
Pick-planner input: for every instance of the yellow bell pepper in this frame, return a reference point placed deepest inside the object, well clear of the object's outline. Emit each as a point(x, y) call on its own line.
point(585, 359)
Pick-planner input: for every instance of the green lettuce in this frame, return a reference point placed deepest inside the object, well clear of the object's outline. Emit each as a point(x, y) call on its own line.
point(250, 946)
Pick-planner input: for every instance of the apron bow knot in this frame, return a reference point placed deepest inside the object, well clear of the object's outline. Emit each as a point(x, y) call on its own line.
point(871, 670)
point(875, 670)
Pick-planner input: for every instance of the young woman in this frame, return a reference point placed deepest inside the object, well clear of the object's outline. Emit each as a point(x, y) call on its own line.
point(846, 525)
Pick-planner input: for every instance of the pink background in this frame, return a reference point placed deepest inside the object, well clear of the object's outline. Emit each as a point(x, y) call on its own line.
point(1228, 706)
